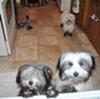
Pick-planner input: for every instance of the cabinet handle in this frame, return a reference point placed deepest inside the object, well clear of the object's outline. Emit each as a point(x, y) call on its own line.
point(94, 17)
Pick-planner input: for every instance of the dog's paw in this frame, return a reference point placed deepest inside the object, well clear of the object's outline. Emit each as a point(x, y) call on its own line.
point(25, 93)
point(67, 89)
point(51, 92)
point(68, 34)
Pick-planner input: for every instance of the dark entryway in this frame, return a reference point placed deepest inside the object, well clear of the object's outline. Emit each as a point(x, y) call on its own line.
point(28, 2)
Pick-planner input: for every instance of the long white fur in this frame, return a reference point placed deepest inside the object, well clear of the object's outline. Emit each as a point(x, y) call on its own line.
point(74, 57)
point(63, 18)
point(68, 26)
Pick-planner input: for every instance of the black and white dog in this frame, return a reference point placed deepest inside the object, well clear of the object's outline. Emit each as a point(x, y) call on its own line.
point(35, 80)
point(73, 68)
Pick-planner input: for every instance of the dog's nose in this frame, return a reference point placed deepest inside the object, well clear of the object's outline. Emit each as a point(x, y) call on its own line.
point(76, 74)
point(30, 82)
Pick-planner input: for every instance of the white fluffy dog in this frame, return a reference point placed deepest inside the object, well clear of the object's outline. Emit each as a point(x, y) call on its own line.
point(67, 23)
point(73, 68)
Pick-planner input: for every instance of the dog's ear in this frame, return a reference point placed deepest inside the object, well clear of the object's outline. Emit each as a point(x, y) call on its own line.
point(89, 58)
point(58, 68)
point(47, 73)
point(18, 78)
point(58, 65)
point(93, 62)
point(22, 68)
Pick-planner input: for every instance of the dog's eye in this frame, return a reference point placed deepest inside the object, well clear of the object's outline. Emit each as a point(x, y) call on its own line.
point(81, 63)
point(70, 63)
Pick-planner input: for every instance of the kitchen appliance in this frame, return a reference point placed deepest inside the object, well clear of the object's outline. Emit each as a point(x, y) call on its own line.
point(7, 26)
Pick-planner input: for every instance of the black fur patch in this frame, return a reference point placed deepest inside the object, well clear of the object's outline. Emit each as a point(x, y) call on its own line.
point(61, 25)
point(58, 65)
point(68, 34)
point(93, 60)
point(18, 78)
point(48, 74)
point(25, 92)
point(59, 68)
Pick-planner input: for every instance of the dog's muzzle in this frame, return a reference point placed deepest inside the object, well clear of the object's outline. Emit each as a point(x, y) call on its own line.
point(63, 76)
point(68, 22)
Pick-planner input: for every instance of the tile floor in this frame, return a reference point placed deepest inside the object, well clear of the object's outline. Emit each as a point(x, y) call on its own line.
point(45, 42)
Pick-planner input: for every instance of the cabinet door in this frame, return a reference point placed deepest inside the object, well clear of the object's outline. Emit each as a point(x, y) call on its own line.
point(81, 17)
point(92, 21)
point(93, 30)
point(97, 38)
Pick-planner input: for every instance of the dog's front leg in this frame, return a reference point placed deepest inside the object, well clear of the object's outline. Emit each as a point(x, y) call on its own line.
point(50, 91)
point(66, 89)
point(25, 93)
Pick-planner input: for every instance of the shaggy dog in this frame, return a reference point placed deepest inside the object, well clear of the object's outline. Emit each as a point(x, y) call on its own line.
point(35, 80)
point(68, 23)
point(73, 68)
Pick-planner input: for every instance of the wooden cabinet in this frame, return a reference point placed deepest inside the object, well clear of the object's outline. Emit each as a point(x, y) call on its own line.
point(92, 21)
point(97, 39)
point(81, 17)
point(89, 20)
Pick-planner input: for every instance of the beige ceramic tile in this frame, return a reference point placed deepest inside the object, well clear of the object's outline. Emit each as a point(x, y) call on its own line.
point(47, 40)
point(26, 48)
point(49, 52)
